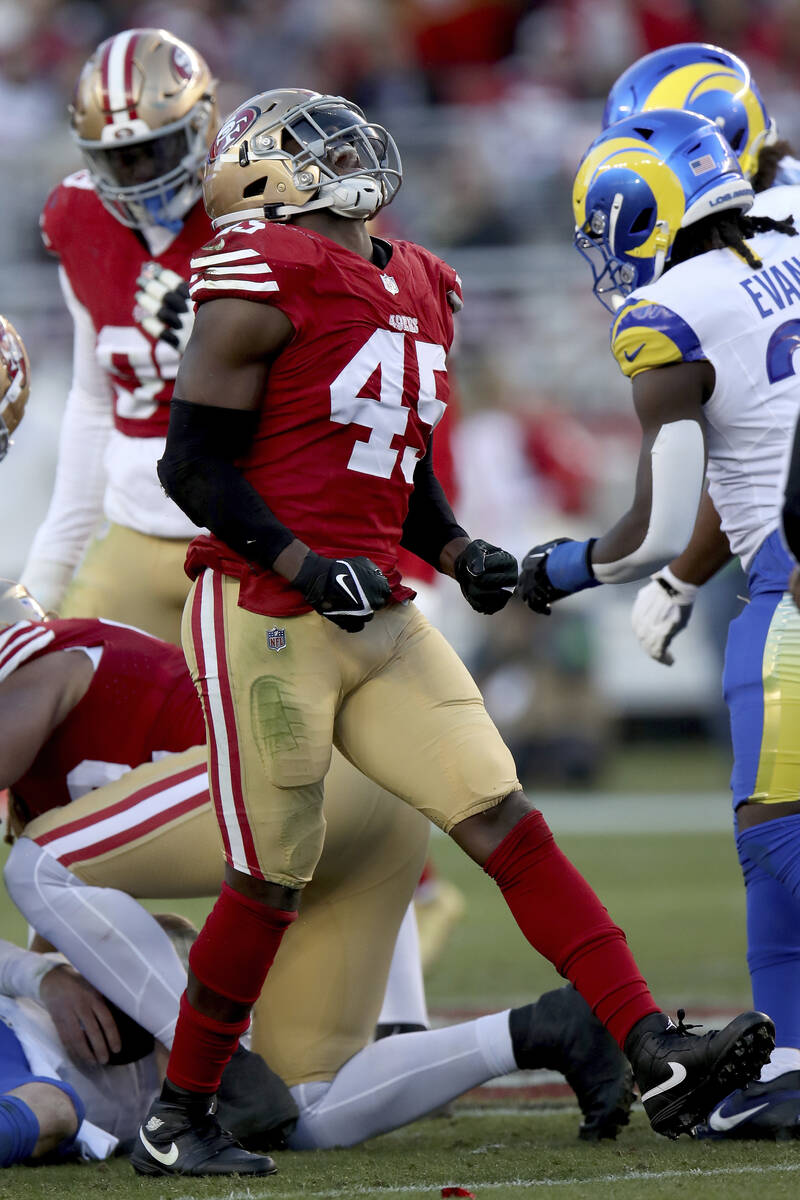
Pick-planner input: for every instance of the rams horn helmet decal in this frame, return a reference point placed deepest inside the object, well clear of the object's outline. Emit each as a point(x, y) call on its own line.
point(639, 182)
point(703, 79)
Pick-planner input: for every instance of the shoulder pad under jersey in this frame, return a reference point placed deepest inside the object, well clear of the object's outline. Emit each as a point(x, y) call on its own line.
point(251, 261)
point(645, 334)
point(58, 217)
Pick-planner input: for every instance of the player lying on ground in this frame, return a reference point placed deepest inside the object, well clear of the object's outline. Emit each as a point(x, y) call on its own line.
point(152, 832)
point(300, 435)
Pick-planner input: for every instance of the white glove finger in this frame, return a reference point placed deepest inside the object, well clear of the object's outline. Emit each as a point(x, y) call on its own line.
point(152, 287)
point(170, 278)
point(150, 303)
point(153, 326)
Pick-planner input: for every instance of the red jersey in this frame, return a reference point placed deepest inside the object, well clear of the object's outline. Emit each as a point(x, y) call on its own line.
point(350, 401)
point(141, 703)
point(103, 259)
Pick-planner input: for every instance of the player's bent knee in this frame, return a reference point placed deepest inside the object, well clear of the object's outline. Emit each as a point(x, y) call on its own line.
point(37, 1118)
point(481, 834)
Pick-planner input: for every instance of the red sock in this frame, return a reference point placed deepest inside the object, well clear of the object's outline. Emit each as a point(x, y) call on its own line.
point(232, 956)
point(564, 920)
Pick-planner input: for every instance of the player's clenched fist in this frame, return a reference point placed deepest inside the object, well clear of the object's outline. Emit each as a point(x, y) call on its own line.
point(487, 576)
point(164, 296)
point(348, 591)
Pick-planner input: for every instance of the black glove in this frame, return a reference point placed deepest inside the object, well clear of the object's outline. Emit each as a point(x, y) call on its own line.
point(484, 573)
point(348, 591)
point(534, 585)
point(164, 297)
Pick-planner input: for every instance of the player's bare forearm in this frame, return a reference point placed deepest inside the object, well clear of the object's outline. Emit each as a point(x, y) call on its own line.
point(708, 550)
point(33, 701)
point(450, 553)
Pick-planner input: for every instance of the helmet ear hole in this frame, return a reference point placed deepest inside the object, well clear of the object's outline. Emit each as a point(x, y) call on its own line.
point(256, 188)
point(643, 221)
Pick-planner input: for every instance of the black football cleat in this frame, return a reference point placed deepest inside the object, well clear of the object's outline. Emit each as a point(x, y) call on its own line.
point(761, 1111)
point(561, 1033)
point(681, 1076)
point(178, 1139)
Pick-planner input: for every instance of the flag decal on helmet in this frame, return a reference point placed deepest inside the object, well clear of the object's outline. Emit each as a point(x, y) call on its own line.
point(276, 639)
point(700, 165)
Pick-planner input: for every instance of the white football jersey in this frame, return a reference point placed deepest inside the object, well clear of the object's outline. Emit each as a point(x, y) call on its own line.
point(746, 323)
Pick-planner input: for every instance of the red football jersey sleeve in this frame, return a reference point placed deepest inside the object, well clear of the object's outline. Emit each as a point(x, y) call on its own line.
point(141, 702)
point(102, 259)
point(350, 401)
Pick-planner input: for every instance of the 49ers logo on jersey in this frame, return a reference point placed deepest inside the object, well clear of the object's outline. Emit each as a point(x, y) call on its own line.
point(233, 129)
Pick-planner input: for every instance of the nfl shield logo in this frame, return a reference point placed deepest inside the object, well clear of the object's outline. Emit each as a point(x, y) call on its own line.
point(390, 284)
point(276, 639)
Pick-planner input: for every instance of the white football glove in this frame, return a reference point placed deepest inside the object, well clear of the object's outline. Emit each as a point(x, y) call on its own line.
point(168, 311)
point(660, 611)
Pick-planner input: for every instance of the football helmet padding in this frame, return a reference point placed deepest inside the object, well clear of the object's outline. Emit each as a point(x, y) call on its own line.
point(15, 382)
point(291, 151)
point(639, 182)
point(143, 115)
point(704, 79)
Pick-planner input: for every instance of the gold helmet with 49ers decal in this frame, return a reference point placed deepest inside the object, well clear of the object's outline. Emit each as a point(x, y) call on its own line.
point(15, 381)
point(143, 115)
point(291, 151)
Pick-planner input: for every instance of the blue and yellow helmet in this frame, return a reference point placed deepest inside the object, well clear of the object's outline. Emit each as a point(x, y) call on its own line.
point(703, 79)
point(639, 182)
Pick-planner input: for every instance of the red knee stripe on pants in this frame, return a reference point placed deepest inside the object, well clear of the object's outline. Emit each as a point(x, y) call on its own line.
point(564, 920)
point(237, 945)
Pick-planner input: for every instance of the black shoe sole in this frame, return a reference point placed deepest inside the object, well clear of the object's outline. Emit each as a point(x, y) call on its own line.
point(151, 1169)
point(752, 1041)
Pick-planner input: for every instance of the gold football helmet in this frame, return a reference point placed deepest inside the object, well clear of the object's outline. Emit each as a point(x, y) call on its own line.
point(15, 382)
point(17, 604)
point(143, 114)
point(292, 151)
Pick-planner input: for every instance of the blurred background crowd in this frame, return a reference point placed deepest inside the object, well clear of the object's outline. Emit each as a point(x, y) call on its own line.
point(492, 103)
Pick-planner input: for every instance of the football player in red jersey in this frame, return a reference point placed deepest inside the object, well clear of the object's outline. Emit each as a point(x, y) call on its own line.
point(300, 436)
point(123, 229)
point(83, 855)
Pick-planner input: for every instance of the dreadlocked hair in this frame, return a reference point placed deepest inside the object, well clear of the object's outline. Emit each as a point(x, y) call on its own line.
point(768, 159)
point(729, 229)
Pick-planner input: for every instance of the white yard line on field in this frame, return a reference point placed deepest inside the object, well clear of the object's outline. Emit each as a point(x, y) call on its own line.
point(492, 1185)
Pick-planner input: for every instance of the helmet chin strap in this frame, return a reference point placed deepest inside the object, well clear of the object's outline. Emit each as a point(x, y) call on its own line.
point(355, 196)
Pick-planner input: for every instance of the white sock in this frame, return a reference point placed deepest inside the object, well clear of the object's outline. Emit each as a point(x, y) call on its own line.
point(404, 999)
point(114, 942)
point(782, 1059)
point(400, 1078)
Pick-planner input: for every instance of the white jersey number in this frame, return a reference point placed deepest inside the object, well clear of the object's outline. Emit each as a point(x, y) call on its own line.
point(386, 417)
point(153, 366)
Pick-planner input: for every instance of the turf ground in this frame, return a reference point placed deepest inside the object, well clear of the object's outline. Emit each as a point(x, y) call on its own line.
point(666, 867)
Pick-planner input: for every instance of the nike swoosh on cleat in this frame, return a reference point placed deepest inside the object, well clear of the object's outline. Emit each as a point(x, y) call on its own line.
point(722, 1124)
point(636, 353)
point(678, 1074)
point(342, 582)
point(166, 1159)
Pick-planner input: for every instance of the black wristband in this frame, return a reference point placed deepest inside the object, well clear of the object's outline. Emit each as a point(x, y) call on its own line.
point(197, 471)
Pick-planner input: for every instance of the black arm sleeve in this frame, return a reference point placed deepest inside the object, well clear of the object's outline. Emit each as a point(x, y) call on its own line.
point(430, 523)
point(198, 473)
point(791, 504)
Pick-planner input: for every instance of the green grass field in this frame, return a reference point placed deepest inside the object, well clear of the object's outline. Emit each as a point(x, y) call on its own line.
point(678, 895)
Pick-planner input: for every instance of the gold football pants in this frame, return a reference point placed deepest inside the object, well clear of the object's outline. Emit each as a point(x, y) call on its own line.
point(134, 579)
point(279, 693)
point(153, 834)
